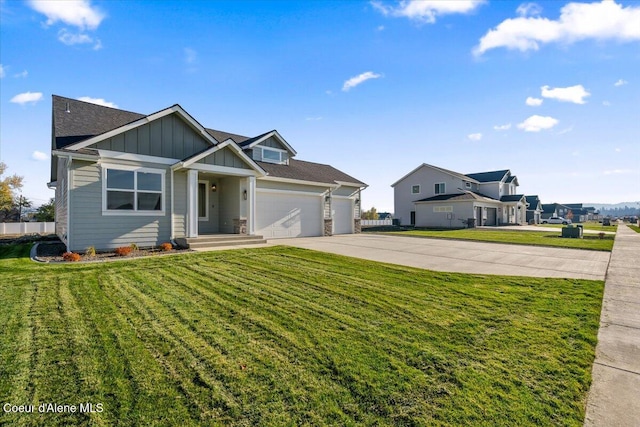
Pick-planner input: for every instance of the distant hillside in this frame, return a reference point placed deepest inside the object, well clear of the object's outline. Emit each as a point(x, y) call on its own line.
point(622, 205)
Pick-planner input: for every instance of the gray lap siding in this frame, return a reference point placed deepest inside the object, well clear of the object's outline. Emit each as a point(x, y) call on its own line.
point(88, 225)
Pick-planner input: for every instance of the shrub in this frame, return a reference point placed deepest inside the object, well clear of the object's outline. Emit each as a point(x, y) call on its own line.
point(134, 247)
point(91, 251)
point(71, 256)
point(123, 250)
point(166, 246)
point(601, 235)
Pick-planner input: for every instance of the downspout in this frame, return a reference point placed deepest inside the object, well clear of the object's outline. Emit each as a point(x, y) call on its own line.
point(172, 236)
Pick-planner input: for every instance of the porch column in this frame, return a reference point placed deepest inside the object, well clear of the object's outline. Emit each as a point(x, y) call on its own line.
point(251, 205)
point(192, 203)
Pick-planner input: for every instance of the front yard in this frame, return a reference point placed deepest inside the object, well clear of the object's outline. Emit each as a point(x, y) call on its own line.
point(537, 238)
point(284, 336)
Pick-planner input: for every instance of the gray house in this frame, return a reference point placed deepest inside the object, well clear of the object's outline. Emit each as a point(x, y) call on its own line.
point(122, 177)
point(534, 209)
point(431, 196)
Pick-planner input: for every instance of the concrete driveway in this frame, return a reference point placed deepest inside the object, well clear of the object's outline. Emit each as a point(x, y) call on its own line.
point(462, 256)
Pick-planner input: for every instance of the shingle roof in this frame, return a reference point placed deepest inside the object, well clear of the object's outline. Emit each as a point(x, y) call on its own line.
point(221, 136)
point(307, 171)
point(75, 120)
point(491, 176)
point(512, 198)
point(467, 195)
point(532, 201)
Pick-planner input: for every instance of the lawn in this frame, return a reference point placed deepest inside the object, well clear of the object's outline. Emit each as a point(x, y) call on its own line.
point(536, 238)
point(634, 228)
point(285, 336)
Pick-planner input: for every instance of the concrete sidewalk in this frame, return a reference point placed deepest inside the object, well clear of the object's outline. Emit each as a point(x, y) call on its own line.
point(614, 397)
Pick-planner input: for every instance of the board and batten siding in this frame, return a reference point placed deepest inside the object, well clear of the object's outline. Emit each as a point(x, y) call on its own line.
point(179, 204)
point(92, 228)
point(62, 205)
point(168, 136)
point(224, 157)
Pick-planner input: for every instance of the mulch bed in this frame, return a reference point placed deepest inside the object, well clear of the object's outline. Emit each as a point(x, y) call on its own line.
point(50, 249)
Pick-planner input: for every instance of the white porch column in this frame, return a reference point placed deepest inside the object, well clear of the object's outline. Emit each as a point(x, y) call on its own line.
point(192, 203)
point(251, 205)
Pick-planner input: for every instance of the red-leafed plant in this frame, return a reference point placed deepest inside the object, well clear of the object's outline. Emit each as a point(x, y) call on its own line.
point(166, 247)
point(123, 250)
point(71, 256)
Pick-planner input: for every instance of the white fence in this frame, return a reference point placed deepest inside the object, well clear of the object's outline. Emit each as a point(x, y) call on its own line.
point(375, 222)
point(27, 227)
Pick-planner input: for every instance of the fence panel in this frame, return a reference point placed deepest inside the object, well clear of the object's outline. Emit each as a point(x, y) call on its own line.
point(27, 227)
point(375, 222)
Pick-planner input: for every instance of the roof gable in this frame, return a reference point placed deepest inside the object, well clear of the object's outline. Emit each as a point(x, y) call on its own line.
point(269, 139)
point(446, 171)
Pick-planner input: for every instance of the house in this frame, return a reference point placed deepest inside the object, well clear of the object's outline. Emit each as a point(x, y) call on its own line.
point(554, 209)
point(122, 177)
point(534, 209)
point(431, 196)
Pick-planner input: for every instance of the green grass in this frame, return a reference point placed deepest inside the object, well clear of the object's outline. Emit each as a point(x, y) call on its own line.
point(589, 225)
point(536, 238)
point(285, 336)
point(634, 228)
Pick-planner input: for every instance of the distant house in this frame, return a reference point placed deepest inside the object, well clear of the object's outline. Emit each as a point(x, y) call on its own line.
point(579, 213)
point(554, 209)
point(431, 196)
point(122, 177)
point(534, 209)
point(385, 215)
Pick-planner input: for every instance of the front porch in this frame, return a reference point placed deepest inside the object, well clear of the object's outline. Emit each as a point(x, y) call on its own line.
point(208, 241)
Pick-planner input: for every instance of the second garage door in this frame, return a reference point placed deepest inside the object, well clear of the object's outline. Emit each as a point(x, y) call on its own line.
point(342, 215)
point(288, 215)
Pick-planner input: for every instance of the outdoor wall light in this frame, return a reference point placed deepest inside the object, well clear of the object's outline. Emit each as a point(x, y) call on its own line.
point(244, 194)
point(357, 201)
point(327, 198)
point(214, 188)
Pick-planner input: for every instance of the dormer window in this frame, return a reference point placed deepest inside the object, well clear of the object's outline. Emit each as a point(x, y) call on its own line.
point(273, 155)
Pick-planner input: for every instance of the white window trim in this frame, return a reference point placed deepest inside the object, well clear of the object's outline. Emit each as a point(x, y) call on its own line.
point(207, 191)
point(135, 212)
point(467, 184)
point(443, 208)
point(444, 188)
point(419, 189)
point(277, 150)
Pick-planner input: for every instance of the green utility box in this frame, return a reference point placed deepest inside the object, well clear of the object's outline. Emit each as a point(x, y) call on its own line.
point(572, 232)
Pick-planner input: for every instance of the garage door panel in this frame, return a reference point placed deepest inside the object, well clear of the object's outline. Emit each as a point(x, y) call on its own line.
point(287, 215)
point(342, 216)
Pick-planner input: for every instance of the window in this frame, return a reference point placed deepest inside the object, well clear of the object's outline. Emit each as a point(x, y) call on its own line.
point(133, 191)
point(273, 155)
point(467, 185)
point(203, 200)
point(443, 208)
point(439, 188)
point(415, 189)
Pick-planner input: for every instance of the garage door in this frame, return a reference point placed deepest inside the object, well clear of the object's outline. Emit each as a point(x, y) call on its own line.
point(288, 215)
point(342, 216)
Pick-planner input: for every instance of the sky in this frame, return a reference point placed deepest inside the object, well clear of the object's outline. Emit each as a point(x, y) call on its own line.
point(549, 90)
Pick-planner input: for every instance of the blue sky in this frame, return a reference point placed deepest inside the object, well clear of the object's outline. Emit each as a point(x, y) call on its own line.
point(549, 90)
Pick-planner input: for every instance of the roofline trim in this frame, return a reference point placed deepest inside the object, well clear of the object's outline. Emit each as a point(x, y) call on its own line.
point(448, 172)
point(269, 135)
point(187, 162)
point(300, 181)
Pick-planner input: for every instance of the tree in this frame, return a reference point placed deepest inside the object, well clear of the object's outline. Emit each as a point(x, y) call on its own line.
point(47, 212)
point(10, 201)
point(370, 214)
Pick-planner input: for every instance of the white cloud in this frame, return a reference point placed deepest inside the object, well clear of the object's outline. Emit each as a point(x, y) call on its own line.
point(2, 72)
point(313, 119)
point(620, 82)
point(361, 78)
point(39, 155)
point(26, 98)
point(533, 102)
point(380, 28)
point(618, 172)
point(567, 130)
point(537, 123)
point(575, 94)
point(475, 136)
point(190, 55)
point(426, 10)
point(606, 20)
point(529, 9)
point(606, 103)
point(617, 150)
point(78, 13)
point(23, 74)
point(70, 39)
point(98, 101)
point(502, 127)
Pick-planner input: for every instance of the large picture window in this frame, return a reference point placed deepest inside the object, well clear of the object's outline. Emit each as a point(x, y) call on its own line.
point(439, 188)
point(272, 155)
point(133, 191)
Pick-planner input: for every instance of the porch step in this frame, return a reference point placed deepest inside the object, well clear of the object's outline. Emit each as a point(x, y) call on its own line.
point(219, 240)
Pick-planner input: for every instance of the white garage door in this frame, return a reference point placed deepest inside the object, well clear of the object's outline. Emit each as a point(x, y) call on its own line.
point(342, 216)
point(288, 215)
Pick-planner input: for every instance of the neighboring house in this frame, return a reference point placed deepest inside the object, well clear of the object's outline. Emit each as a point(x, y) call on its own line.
point(554, 209)
point(123, 177)
point(430, 196)
point(385, 215)
point(534, 209)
